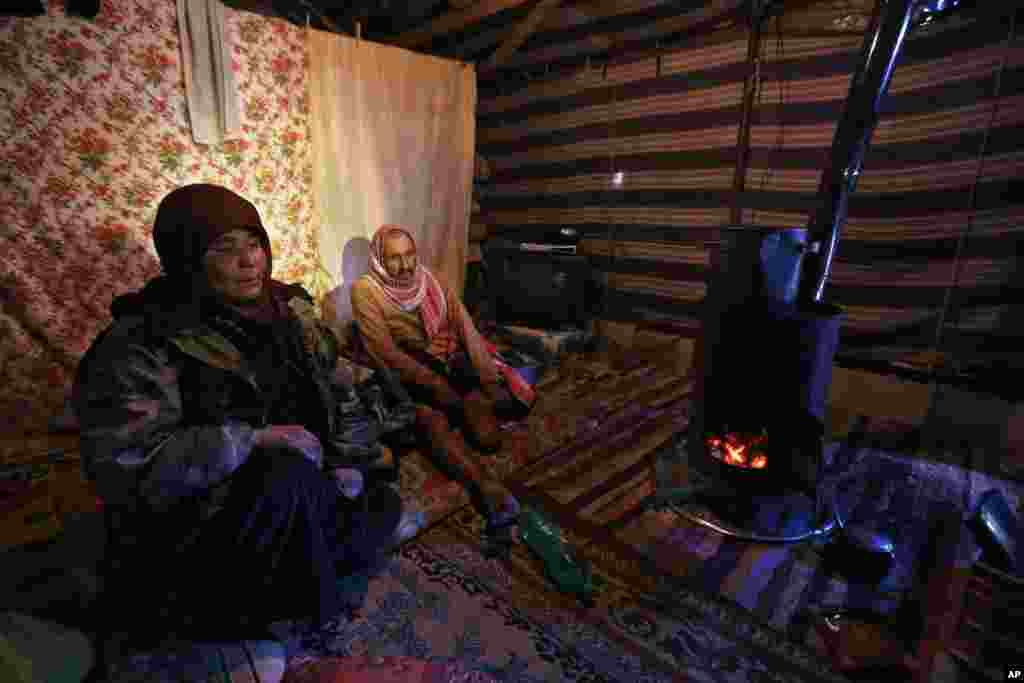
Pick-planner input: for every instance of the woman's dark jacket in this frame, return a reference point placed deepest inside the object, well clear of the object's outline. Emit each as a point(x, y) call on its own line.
point(169, 398)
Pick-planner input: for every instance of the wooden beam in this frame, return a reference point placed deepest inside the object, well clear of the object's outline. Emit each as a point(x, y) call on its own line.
point(486, 39)
point(521, 32)
point(637, 42)
point(480, 43)
point(579, 15)
point(701, 19)
point(559, 18)
point(329, 23)
point(712, 10)
point(599, 8)
point(314, 11)
point(455, 21)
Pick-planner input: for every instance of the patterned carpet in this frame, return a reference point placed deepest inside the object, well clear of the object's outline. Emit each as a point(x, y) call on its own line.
point(441, 598)
point(783, 585)
point(584, 456)
point(676, 602)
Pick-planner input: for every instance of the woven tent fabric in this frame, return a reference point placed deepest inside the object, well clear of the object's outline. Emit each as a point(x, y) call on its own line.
point(639, 155)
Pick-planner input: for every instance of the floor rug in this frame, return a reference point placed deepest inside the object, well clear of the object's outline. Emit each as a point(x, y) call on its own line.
point(785, 585)
point(441, 599)
point(585, 458)
point(597, 483)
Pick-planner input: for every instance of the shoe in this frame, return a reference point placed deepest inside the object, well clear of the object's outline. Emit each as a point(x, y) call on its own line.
point(505, 516)
point(409, 525)
point(354, 588)
point(499, 535)
point(499, 506)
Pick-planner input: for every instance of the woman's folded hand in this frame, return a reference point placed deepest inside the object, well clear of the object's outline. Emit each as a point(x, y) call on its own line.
point(293, 438)
point(350, 481)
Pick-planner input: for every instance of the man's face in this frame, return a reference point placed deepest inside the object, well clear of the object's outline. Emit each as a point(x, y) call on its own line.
point(236, 266)
point(400, 258)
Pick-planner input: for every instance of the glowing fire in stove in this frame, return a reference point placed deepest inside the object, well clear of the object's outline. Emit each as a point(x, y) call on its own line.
point(740, 451)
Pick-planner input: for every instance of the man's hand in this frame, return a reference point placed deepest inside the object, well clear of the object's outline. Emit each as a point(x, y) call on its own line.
point(443, 391)
point(293, 438)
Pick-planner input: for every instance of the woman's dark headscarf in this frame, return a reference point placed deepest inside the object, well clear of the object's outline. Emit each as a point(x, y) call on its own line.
point(193, 217)
point(188, 221)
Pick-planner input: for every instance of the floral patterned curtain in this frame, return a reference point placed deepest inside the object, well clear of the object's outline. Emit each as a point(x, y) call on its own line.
point(93, 133)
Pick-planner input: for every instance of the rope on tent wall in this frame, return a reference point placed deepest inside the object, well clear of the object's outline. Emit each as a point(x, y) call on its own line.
point(783, 85)
point(973, 197)
point(611, 234)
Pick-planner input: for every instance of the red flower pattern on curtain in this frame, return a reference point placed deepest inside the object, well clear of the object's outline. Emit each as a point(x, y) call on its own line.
point(94, 132)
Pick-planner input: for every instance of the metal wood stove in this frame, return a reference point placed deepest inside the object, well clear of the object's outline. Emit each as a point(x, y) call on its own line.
point(765, 371)
point(765, 358)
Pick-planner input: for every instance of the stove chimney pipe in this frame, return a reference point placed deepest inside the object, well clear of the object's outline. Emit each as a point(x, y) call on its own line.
point(882, 44)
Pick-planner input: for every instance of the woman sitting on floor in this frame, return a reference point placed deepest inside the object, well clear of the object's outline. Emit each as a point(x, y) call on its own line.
point(209, 420)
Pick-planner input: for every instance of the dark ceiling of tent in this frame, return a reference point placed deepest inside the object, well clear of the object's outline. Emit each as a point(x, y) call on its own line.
point(510, 36)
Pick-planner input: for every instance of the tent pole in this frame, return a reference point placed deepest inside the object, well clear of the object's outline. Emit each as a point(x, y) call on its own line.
point(750, 86)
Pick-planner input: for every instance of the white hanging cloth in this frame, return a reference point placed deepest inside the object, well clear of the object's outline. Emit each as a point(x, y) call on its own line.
point(210, 88)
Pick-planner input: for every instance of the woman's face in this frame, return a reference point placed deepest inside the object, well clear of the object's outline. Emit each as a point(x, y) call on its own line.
point(236, 266)
point(400, 258)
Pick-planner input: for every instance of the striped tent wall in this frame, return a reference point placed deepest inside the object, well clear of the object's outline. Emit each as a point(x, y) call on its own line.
point(933, 234)
point(668, 124)
point(639, 155)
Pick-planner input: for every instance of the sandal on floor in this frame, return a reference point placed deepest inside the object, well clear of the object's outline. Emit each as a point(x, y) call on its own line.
point(498, 520)
point(409, 525)
point(499, 536)
point(354, 589)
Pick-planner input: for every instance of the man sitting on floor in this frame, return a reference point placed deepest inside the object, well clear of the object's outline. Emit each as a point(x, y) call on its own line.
point(209, 418)
point(412, 323)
